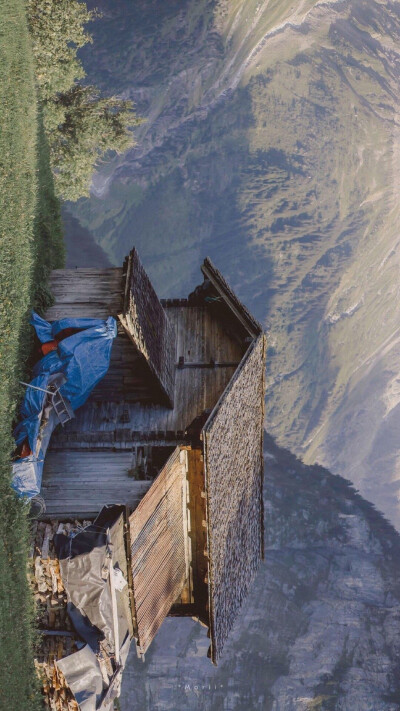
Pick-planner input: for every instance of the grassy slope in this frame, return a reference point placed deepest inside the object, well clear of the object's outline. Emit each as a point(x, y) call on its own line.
point(30, 243)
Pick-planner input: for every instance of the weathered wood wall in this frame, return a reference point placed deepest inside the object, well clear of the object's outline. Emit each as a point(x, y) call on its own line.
point(158, 530)
point(85, 293)
point(233, 461)
point(111, 419)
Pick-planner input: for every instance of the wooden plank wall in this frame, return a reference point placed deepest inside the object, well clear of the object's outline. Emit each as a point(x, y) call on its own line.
point(102, 422)
point(158, 553)
point(127, 378)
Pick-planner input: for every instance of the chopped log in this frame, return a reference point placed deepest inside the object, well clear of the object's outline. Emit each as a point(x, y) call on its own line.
point(56, 637)
point(46, 542)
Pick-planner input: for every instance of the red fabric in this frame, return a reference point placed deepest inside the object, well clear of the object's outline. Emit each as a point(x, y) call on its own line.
point(25, 450)
point(52, 345)
point(49, 346)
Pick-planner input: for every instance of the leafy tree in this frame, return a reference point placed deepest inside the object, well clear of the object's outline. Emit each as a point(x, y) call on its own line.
point(92, 127)
point(81, 126)
point(58, 31)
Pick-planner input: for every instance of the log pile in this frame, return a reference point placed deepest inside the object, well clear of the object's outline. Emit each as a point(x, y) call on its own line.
point(56, 638)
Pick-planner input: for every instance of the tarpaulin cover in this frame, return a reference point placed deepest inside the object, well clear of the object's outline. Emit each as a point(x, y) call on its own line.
point(32, 405)
point(87, 559)
point(83, 674)
point(83, 359)
point(28, 471)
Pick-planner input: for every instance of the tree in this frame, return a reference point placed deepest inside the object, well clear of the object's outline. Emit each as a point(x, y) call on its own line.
point(92, 127)
point(81, 126)
point(58, 31)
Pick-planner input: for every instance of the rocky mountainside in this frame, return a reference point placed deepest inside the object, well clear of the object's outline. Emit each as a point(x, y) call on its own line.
point(272, 144)
point(320, 630)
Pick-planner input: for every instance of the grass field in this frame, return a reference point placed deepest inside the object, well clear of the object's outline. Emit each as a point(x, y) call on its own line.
point(30, 245)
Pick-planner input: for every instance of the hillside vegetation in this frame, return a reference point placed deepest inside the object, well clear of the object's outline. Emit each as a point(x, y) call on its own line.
point(30, 245)
point(53, 132)
point(81, 125)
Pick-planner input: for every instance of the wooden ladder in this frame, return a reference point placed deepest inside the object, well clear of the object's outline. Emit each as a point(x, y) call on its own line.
point(62, 407)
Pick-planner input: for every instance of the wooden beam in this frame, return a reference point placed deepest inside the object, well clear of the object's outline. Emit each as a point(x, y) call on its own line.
point(230, 298)
point(198, 533)
point(128, 546)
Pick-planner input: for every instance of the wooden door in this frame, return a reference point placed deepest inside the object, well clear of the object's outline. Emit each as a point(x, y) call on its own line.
point(159, 548)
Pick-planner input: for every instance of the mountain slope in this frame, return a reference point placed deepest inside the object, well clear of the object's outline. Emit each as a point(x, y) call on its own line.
point(82, 250)
point(321, 627)
point(271, 144)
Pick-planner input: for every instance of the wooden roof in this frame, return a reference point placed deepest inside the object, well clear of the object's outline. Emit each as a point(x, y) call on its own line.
point(147, 325)
point(234, 465)
point(222, 287)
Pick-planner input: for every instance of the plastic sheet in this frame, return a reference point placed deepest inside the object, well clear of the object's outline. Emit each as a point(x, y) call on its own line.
point(83, 674)
point(87, 559)
point(27, 473)
point(37, 430)
point(83, 359)
point(31, 407)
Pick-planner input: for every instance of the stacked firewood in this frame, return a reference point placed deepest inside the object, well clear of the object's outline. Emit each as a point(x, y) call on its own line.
point(56, 638)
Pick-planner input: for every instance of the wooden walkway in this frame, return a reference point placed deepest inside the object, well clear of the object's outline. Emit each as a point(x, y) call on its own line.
point(80, 483)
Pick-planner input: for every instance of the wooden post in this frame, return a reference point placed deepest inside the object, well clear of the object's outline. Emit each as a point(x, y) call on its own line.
point(187, 591)
point(113, 600)
point(198, 533)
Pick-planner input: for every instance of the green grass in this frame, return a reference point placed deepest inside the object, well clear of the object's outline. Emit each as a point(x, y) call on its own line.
point(30, 245)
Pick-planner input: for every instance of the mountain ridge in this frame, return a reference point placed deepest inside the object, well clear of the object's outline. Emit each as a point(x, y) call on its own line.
point(288, 182)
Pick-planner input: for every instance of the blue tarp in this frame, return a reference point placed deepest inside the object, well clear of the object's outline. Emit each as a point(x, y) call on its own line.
point(30, 408)
point(83, 358)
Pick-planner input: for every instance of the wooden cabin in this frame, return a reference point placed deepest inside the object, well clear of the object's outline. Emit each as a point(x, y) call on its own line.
point(174, 432)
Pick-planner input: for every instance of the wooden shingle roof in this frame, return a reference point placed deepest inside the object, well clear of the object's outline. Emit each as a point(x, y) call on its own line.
point(148, 326)
point(233, 467)
point(243, 315)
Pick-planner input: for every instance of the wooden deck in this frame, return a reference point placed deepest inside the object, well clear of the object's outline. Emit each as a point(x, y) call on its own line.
point(80, 483)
